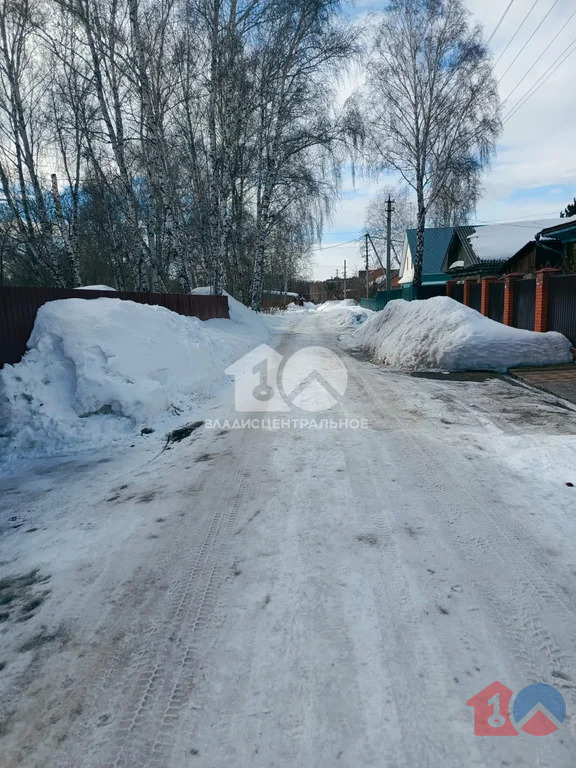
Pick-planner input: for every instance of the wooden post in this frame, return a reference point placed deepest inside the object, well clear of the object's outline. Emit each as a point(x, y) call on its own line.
point(509, 280)
point(542, 298)
point(485, 300)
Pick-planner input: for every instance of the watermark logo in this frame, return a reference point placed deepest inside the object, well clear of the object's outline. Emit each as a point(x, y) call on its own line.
point(538, 709)
point(314, 379)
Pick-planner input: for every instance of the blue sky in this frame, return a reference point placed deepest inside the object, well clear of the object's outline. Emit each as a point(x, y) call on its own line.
point(534, 174)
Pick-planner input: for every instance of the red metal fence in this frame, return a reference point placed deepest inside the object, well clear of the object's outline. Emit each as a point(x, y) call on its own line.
point(18, 307)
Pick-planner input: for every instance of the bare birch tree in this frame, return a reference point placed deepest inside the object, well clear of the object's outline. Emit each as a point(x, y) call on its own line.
point(433, 102)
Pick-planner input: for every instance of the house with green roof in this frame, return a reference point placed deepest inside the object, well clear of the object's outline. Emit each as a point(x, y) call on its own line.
point(436, 244)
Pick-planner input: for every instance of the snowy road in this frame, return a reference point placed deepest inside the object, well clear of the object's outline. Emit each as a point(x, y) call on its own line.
point(302, 598)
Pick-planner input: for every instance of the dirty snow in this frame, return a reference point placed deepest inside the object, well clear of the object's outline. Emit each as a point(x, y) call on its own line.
point(443, 335)
point(502, 241)
point(297, 597)
point(103, 369)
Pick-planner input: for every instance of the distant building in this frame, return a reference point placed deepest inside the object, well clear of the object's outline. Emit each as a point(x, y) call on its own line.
point(436, 244)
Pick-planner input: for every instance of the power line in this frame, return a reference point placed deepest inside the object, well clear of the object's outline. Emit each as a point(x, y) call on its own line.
point(521, 51)
point(340, 232)
point(550, 44)
point(532, 217)
point(514, 36)
point(499, 23)
point(338, 245)
point(543, 79)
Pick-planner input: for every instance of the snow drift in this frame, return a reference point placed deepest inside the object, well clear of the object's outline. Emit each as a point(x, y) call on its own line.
point(345, 313)
point(443, 335)
point(99, 369)
point(330, 306)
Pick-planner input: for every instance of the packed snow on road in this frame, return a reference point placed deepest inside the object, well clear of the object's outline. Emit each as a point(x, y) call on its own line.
point(299, 587)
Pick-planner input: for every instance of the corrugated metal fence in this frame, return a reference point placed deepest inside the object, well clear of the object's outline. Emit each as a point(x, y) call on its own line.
point(524, 304)
point(381, 299)
point(476, 296)
point(18, 307)
point(408, 293)
point(562, 305)
point(496, 302)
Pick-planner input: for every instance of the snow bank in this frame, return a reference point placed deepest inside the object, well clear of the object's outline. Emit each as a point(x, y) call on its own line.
point(345, 313)
point(100, 369)
point(330, 306)
point(252, 322)
point(442, 334)
point(95, 288)
point(348, 317)
point(297, 308)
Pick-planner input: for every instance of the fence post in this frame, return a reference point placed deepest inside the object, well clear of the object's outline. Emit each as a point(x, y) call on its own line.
point(485, 299)
point(450, 287)
point(467, 283)
point(508, 313)
point(542, 297)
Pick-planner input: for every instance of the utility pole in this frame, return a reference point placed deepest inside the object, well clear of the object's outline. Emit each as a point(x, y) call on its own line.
point(345, 285)
point(367, 268)
point(389, 211)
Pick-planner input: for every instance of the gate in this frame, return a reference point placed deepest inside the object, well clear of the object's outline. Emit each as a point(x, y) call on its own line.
point(496, 302)
point(475, 296)
point(562, 305)
point(458, 292)
point(524, 304)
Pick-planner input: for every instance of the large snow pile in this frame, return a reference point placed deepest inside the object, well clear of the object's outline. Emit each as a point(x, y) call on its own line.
point(251, 321)
point(292, 307)
point(330, 306)
point(443, 335)
point(99, 369)
point(345, 313)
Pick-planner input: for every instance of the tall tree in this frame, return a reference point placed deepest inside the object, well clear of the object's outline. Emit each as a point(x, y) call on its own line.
point(432, 102)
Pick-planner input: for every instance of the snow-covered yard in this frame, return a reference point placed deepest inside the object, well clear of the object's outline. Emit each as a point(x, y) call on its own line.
point(287, 596)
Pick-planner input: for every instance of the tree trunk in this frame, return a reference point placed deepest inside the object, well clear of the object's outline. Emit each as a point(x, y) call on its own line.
point(262, 228)
point(73, 259)
point(421, 226)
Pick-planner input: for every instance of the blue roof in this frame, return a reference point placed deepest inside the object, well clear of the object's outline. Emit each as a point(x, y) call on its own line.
point(436, 244)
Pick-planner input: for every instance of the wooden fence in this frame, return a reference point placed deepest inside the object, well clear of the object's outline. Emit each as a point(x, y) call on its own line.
point(18, 307)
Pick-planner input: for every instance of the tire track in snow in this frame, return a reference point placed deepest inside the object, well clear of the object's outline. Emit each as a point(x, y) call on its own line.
point(517, 607)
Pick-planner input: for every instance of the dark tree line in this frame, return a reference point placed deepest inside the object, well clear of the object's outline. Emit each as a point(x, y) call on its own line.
point(162, 144)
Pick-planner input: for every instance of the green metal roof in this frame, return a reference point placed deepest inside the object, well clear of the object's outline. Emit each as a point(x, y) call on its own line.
point(436, 244)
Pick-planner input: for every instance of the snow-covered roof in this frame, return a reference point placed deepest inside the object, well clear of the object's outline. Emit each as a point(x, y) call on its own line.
point(557, 231)
point(499, 242)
